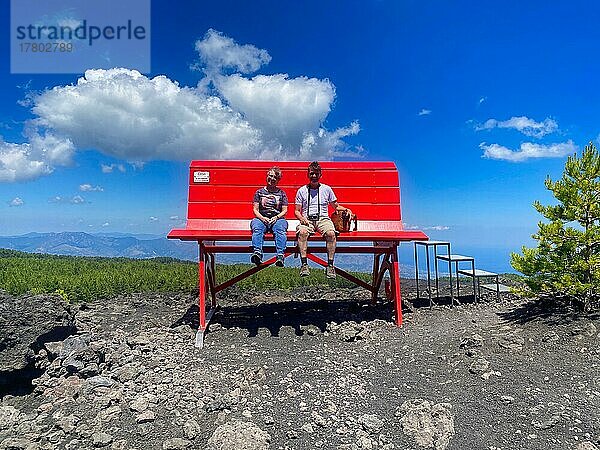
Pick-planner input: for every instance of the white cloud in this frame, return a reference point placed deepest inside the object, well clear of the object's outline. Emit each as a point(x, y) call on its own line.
point(527, 150)
point(86, 187)
point(138, 165)
point(482, 99)
point(436, 228)
point(17, 201)
point(105, 224)
point(174, 218)
point(108, 168)
point(424, 112)
point(525, 125)
point(39, 156)
point(282, 108)
point(323, 144)
point(74, 200)
point(133, 118)
point(69, 22)
point(218, 52)
point(427, 228)
point(153, 219)
point(129, 116)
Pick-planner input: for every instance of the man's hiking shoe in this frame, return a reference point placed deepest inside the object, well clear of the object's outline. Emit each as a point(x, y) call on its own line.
point(304, 270)
point(330, 272)
point(280, 261)
point(256, 258)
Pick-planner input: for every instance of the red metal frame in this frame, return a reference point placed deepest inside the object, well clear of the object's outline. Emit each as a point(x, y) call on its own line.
point(385, 259)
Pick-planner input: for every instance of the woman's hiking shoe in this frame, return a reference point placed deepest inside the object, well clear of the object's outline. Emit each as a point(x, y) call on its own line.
point(304, 270)
point(330, 272)
point(256, 258)
point(280, 261)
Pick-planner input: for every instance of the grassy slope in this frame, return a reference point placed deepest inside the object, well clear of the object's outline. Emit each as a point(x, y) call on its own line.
point(84, 278)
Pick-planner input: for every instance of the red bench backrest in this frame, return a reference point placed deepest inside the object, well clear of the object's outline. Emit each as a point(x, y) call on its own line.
point(224, 189)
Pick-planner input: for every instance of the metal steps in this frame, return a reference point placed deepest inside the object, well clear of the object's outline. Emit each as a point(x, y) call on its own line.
point(493, 286)
point(455, 259)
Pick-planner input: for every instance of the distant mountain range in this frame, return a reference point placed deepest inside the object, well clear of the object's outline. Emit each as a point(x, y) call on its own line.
point(101, 244)
point(143, 246)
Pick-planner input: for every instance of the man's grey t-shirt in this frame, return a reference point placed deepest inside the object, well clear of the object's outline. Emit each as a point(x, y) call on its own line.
point(309, 202)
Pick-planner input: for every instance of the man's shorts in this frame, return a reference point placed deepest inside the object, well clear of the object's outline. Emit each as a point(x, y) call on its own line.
point(323, 225)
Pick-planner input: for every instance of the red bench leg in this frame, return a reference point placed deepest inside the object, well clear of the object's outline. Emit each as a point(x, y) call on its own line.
point(201, 297)
point(211, 278)
point(395, 279)
point(375, 278)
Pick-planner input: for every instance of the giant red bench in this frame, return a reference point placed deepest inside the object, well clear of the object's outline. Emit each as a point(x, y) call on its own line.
point(220, 210)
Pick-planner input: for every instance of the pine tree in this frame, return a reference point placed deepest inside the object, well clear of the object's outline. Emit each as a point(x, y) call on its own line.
point(566, 262)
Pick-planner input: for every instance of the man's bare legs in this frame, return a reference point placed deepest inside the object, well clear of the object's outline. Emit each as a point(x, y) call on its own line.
point(303, 241)
point(331, 243)
point(302, 246)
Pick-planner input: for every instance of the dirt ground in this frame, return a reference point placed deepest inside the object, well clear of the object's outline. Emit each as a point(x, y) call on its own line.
point(315, 368)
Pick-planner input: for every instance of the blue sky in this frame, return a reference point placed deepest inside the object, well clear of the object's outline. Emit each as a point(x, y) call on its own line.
point(476, 103)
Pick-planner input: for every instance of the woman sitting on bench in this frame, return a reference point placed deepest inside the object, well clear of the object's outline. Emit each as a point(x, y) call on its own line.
point(270, 207)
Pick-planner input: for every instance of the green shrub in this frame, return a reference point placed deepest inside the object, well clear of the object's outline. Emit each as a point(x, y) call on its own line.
point(566, 261)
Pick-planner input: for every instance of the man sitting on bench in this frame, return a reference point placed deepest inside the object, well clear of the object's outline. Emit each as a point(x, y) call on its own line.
point(312, 202)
